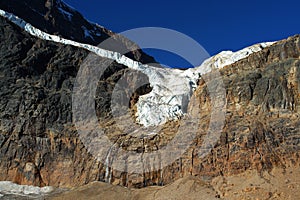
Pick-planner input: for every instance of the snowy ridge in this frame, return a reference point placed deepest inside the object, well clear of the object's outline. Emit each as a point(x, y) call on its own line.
point(228, 57)
point(68, 12)
point(172, 88)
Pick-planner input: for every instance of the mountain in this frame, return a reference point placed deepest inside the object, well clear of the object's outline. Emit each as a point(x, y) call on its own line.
point(58, 18)
point(251, 125)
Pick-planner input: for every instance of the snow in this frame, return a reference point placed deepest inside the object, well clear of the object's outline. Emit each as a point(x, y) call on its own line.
point(8, 187)
point(226, 58)
point(172, 88)
point(67, 11)
point(67, 14)
point(87, 33)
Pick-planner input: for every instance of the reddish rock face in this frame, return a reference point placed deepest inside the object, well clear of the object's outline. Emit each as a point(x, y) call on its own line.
point(261, 128)
point(39, 145)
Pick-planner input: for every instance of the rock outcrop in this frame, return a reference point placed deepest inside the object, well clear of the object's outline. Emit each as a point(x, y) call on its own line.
point(39, 143)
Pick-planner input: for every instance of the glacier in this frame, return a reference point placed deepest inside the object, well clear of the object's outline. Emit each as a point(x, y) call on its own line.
point(171, 88)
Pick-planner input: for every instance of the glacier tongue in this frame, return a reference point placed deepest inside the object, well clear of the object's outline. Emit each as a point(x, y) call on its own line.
point(172, 88)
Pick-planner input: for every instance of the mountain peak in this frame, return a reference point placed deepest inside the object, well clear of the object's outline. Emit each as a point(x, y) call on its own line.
point(57, 18)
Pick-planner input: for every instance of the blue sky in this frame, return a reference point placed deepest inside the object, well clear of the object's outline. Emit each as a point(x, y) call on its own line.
point(216, 25)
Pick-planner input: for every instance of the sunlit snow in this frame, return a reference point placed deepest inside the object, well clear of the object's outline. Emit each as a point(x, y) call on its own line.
point(172, 88)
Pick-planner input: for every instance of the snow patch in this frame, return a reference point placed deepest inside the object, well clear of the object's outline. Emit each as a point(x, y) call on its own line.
point(67, 14)
point(8, 187)
point(172, 88)
point(87, 33)
point(67, 11)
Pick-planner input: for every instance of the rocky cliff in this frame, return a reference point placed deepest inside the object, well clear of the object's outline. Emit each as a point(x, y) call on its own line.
point(40, 145)
point(42, 75)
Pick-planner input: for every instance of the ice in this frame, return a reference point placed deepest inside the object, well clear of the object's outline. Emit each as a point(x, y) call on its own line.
point(8, 187)
point(171, 88)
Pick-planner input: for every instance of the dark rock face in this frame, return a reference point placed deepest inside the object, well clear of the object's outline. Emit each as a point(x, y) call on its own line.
point(36, 80)
point(39, 144)
point(55, 17)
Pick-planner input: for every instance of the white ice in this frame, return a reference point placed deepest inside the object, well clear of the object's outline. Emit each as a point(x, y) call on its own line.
point(7, 187)
point(171, 87)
